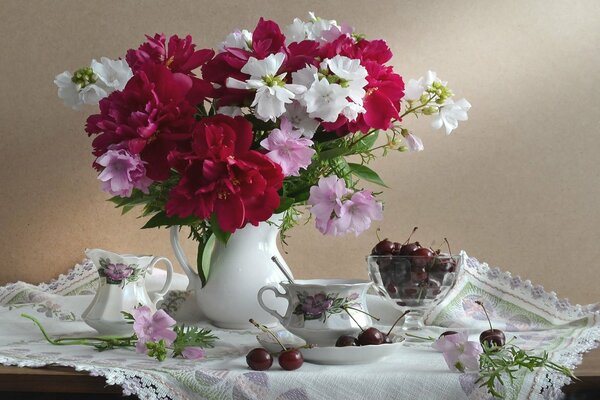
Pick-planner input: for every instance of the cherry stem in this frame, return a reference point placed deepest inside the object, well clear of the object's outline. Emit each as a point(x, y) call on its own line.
point(448, 244)
point(364, 312)
point(486, 314)
point(350, 315)
point(398, 320)
point(267, 330)
point(377, 234)
point(420, 337)
point(409, 236)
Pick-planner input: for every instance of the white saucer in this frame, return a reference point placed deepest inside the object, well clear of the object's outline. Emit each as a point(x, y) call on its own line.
point(350, 354)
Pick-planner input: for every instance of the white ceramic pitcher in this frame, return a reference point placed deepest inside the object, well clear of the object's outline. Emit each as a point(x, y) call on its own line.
point(121, 288)
point(237, 271)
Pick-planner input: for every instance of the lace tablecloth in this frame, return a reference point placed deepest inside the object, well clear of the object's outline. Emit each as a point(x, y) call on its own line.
point(538, 319)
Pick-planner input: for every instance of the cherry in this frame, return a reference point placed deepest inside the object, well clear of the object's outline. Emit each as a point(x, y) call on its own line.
point(371, 336)
point(491, 337)
point(346, 340)
point(396, 249)
point(259, 359)
point(408, 248)
point(291, 359)
point(423, 252)
point(384, 247)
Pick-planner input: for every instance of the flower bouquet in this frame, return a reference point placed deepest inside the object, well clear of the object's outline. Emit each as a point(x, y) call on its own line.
point(269, 122)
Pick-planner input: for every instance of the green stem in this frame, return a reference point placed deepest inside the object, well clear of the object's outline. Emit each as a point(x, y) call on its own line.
point(413, 109)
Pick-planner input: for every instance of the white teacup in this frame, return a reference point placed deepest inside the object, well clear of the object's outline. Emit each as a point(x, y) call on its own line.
point(321, 310)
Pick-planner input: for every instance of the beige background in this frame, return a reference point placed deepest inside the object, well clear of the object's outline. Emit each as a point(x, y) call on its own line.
point(517, 185)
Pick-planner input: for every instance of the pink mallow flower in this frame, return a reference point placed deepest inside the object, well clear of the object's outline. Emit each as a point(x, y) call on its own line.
point(288, 149)
point(357, 213)
point(149, 327)
point(460, 353)
point(122, 172)
point(193, 353)
point(326, 201)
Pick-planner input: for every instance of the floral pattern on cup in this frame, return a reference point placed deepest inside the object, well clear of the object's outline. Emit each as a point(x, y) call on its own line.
point(119, 273)
point(322, 305)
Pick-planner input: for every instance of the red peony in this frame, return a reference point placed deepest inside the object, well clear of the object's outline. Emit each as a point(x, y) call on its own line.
point(223, 176)
point(180, 55)
point(267, 39)
point(152, 116)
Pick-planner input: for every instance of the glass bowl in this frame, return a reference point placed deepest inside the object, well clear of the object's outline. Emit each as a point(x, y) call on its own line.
point(416, 283)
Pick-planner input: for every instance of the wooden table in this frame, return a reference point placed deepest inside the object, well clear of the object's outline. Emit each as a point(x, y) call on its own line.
point(63, 383)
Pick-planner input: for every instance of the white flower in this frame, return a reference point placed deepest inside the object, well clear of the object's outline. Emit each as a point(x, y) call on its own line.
point(297, 115)
point(113, 74)
point(414, 143)
point(296, 32)
point(232, 111)
point(450, 113)
point(74, 95)
point(238, 40)
point(319, 29)
point(325, 100)
point(415, 88)
point(352, 110)
point(305, 76)
point(91, 84)
point(272, 93)
point(352, 74)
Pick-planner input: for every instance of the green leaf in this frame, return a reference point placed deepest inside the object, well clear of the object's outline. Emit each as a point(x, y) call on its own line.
point(366, 143)
point(284, 204)
point(126, 209)
point(333, 153)
point(217, 231)
point(161, 219)
point(366, 173)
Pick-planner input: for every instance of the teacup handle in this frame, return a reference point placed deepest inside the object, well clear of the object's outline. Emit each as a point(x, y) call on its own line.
point(277, 293)
point(156, 297)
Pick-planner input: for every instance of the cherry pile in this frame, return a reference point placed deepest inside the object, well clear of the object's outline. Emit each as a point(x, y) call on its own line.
point(410, 271)
point(367, 337)
point(259, 359)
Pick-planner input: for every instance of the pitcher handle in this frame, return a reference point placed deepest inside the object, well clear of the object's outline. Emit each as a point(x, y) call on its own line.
point(277, 293)
point(156, 297)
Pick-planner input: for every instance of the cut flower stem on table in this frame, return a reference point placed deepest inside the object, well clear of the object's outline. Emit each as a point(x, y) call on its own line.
point(155, 334)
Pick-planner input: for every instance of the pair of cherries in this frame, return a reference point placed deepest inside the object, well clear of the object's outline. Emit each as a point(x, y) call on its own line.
point(259, 359)
point(368, 337)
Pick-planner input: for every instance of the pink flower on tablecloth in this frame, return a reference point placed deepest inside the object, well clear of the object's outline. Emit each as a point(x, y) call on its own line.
point(460, 353)
point(150, 327)
point(193, 353)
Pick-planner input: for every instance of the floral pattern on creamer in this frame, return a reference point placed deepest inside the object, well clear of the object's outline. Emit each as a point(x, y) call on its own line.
point(119, 273)
point(320, 306)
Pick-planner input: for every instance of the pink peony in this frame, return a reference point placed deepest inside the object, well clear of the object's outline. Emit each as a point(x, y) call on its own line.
point(460, 353)
point(357, 213)
point(122, 173)
point(288, 149)
point(180, 55)
point(193, 353)
point(150, 327)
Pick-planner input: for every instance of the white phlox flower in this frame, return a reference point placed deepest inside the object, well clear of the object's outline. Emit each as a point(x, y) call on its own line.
point(299, 118)
point(112, 74)
point(272, 93)
point(450, 113)
point(238, 40)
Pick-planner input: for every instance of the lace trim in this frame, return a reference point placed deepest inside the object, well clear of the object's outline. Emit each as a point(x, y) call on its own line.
point(525, 290)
